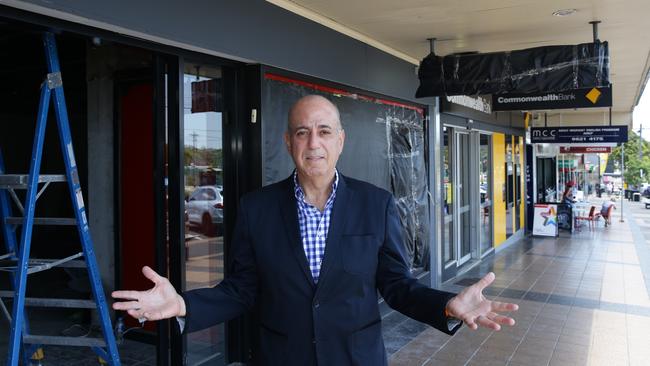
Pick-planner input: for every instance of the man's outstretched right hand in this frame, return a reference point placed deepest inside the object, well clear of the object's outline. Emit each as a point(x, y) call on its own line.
point(160, 302)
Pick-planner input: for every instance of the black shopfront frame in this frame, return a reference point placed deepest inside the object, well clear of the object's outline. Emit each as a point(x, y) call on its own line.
point(242, 163)
point(239, 169)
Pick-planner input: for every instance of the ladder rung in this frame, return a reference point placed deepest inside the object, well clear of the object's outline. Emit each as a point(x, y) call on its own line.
point(58, 221)
point(54, 303)
point(39, 265)
point(35, 267)
point(20, 181)
point(4, 263)
point(64, 341)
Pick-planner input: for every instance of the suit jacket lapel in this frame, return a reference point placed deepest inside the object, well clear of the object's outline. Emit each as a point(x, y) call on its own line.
point(290, 218)
point(337, 224)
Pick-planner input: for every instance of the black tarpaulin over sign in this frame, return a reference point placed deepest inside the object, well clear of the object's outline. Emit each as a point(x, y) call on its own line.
point(532, 70)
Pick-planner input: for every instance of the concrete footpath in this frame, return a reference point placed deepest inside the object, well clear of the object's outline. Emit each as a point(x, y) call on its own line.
point(584, 300)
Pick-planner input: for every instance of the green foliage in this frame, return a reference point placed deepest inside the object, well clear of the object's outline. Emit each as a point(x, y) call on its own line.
point(204, 157)
point(637, 158)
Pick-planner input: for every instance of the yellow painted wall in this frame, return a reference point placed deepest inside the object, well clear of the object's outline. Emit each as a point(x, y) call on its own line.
point(498, 184)
point(522, 162)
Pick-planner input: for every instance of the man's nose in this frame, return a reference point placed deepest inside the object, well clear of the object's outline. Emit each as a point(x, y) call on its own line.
point(314, 140)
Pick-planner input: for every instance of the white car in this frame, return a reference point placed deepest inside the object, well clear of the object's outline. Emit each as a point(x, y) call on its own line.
point(205, 209)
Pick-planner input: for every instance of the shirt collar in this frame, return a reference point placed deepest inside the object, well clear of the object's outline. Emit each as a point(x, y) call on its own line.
point(300, 194)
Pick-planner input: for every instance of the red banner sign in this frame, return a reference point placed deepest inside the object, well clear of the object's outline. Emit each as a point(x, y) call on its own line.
point(585, 149)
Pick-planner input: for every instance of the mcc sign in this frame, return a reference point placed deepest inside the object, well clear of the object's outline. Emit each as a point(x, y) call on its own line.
point(579, 134)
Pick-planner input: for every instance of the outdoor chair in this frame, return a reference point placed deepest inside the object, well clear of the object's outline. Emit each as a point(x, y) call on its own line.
point(592, 218)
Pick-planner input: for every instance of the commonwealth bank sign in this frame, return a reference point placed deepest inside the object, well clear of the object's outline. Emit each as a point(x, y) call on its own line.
point(576, 98)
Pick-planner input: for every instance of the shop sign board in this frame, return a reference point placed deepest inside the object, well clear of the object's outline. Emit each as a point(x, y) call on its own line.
point(579, 134)
point(576, 98)
point(477, 103)
point(545, 220)
point(585, 149)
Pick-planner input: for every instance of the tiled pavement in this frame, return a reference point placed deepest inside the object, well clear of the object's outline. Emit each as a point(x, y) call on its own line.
point(584, 300)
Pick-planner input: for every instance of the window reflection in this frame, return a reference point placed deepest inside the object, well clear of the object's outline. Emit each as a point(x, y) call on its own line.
point(464, 189)
point(204, 199)
point(448, 250)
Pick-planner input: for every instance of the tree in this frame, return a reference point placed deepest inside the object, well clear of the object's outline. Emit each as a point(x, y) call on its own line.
point(635, 162)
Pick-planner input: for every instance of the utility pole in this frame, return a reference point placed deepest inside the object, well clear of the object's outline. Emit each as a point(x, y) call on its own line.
point(194, 136)
point(622, 178)
point(640, 141)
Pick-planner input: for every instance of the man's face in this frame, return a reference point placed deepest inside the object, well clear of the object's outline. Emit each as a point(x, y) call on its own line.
point(314, 138)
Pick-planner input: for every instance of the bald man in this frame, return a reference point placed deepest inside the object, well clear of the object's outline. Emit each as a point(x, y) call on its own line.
point(313, 252)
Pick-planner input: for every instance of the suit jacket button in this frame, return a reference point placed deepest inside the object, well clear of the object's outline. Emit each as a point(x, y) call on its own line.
point(316, 305)
point(313, 341)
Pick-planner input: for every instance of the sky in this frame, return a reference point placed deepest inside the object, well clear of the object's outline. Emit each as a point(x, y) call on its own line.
point(641, 114)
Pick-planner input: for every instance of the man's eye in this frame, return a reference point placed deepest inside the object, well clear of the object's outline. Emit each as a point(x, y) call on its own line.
point(325, 132)
point(301, 133)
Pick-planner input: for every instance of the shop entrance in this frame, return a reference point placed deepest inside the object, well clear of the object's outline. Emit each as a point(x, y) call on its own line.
point(467, 199)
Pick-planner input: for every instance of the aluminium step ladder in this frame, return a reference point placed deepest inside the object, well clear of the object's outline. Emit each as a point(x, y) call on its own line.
point(18, 252)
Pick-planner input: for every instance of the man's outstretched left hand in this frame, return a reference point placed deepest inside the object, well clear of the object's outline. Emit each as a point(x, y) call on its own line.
point(476, 310)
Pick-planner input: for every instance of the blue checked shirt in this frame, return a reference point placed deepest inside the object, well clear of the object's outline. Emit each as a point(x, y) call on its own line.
point(314, 225)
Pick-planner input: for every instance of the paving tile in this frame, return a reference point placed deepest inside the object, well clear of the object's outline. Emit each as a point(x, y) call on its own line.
point(561, 360)
point(526, 358)
point(446, 362)
point(545, 335)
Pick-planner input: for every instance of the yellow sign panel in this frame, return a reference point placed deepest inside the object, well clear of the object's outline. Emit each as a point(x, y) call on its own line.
point(593, 95)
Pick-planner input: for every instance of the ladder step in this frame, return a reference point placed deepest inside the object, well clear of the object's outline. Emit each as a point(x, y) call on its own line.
point(20, 181)
point(39, 265)
point(4, 263)
point(64, 341)
point(57, 221)
point(54, 303)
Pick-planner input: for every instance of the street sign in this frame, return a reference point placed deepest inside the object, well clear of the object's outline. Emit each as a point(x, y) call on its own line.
point(576, 98)
point(578, 134)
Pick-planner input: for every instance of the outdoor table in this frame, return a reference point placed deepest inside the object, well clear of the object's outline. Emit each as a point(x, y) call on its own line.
point(580, 209)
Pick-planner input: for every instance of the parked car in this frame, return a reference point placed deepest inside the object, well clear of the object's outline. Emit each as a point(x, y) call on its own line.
point(204, 208)
point(646, 197)
point(646, 192)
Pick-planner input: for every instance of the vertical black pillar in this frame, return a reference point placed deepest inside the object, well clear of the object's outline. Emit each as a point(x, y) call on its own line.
point(159, 192)
point(175, 195)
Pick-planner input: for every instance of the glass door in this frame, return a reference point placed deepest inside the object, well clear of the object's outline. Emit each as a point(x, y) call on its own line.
point(203, 190)
point(518, 177)
point(463, 192)
point(448, 252)
point(510, 189)
point(485, 193)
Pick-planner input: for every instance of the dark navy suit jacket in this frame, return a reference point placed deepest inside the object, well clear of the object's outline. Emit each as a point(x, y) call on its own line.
point(337, 321)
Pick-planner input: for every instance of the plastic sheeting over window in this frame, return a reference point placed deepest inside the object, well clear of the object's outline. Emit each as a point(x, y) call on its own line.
point(385, 146)
point(532, 70)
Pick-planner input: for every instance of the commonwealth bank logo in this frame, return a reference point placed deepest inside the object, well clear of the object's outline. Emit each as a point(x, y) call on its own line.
point(593, 95)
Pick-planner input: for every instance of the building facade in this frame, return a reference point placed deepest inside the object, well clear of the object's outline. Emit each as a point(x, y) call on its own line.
point(178, 112)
